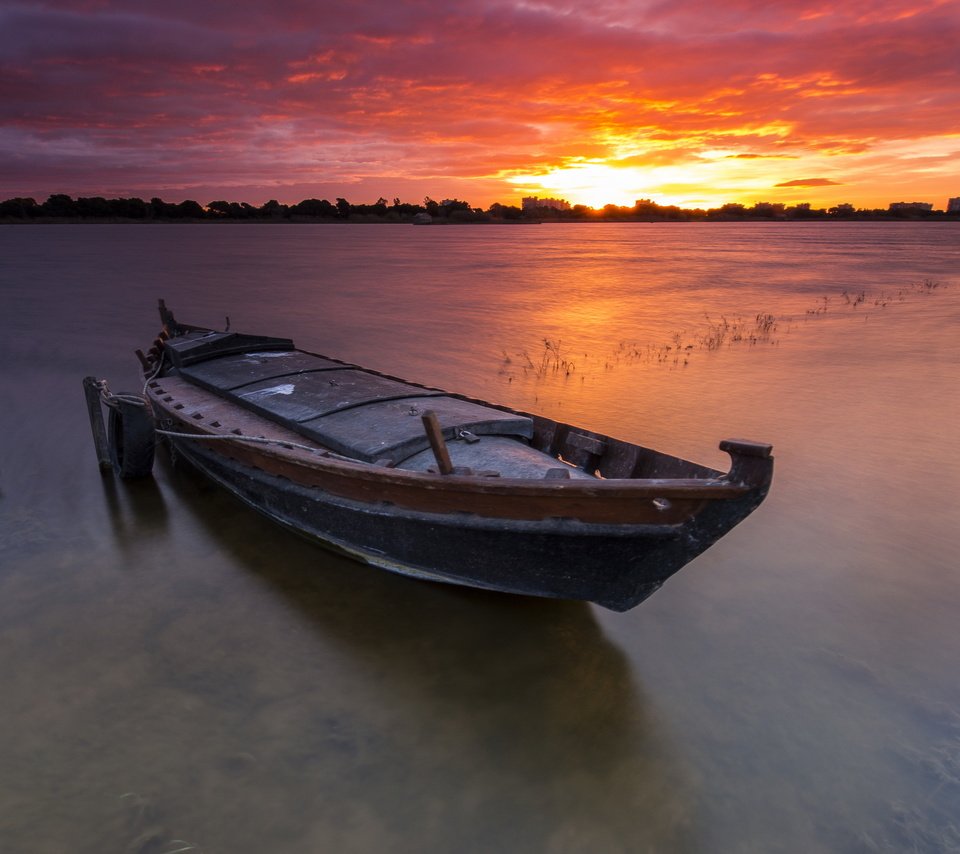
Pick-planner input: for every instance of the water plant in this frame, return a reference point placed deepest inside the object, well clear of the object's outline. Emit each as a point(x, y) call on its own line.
point(549, 361)
point(715, 334)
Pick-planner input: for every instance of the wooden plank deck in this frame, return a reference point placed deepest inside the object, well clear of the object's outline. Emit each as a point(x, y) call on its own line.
point(232, 372)
point(354, 412)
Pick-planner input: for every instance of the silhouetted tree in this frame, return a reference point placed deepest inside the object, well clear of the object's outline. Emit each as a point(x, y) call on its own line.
point(672, 212)
point(505, 211)
point(132, 208)
point(161, 210)
point(405, 210)
point(20, 208)
point(728, 211)
point(805, 211)
point(842, 211)
point(220, 207)
point(59, 205)
point(232, 210)
point(62, 206)
point(273, 210)
point(94, 207)
point(647, 208)
point(314, 208)
point(767, 210)
point(616, 212)
point(189, 209)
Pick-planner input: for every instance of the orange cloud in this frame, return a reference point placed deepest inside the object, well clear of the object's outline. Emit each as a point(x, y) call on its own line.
point(679, 101)
point(809, 182)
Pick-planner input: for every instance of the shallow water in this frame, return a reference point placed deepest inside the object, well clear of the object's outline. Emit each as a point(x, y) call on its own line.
point(176, 668)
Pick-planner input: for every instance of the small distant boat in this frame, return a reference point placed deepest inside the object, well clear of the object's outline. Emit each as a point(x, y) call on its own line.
point(426, 483)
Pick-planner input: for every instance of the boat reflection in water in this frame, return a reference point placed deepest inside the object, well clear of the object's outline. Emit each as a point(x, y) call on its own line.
point(528, 694)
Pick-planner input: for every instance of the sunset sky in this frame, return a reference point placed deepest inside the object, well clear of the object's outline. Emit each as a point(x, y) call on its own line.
point(688, 102)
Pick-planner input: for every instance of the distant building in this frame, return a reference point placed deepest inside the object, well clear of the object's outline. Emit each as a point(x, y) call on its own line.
point(910, 206)
point(531, 203)
point(953, 205)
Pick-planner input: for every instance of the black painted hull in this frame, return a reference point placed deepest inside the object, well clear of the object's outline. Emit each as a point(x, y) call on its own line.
point(614, 565)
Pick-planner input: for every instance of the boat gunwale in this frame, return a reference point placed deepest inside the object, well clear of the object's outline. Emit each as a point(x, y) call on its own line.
point(323, 460)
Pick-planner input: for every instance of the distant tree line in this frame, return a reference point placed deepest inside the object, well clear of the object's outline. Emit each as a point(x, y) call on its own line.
point(63, 207)
point(60, 208)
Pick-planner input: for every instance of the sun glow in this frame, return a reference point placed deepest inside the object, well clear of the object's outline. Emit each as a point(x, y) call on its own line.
point(596, 184)
point(592, 184)
point(708, 178)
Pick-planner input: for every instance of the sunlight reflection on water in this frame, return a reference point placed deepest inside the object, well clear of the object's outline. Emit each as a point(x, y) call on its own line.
point(177, 668)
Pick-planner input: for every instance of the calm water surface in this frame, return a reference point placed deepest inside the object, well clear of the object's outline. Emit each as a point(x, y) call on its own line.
point(180, 675)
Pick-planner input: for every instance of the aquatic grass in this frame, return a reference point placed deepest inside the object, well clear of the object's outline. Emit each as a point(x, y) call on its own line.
point(550, 361)
point(714, 335)
point(766, 323)
point(859, 299)
point(738, 331)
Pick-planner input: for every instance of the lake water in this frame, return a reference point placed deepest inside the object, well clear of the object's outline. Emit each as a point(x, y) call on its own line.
point(179, 675)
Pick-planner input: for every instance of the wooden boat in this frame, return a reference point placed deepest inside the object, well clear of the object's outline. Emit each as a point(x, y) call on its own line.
point(426, 483)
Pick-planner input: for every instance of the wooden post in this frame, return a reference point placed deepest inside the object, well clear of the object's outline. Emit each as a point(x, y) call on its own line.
point(94, 409)
point(432, 425)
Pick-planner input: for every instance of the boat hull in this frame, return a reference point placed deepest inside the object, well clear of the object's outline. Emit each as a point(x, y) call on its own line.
point(467, 492)
point(616, 566)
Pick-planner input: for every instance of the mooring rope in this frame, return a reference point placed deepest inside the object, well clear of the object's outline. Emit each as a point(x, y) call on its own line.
point(114, 400)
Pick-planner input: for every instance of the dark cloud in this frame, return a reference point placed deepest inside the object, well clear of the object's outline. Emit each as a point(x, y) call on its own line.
point(175, 93)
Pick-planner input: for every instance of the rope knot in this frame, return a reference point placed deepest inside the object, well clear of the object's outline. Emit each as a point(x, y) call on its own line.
point(114, 400)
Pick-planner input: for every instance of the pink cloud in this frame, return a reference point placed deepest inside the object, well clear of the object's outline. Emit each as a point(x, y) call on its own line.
point(176, 95)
